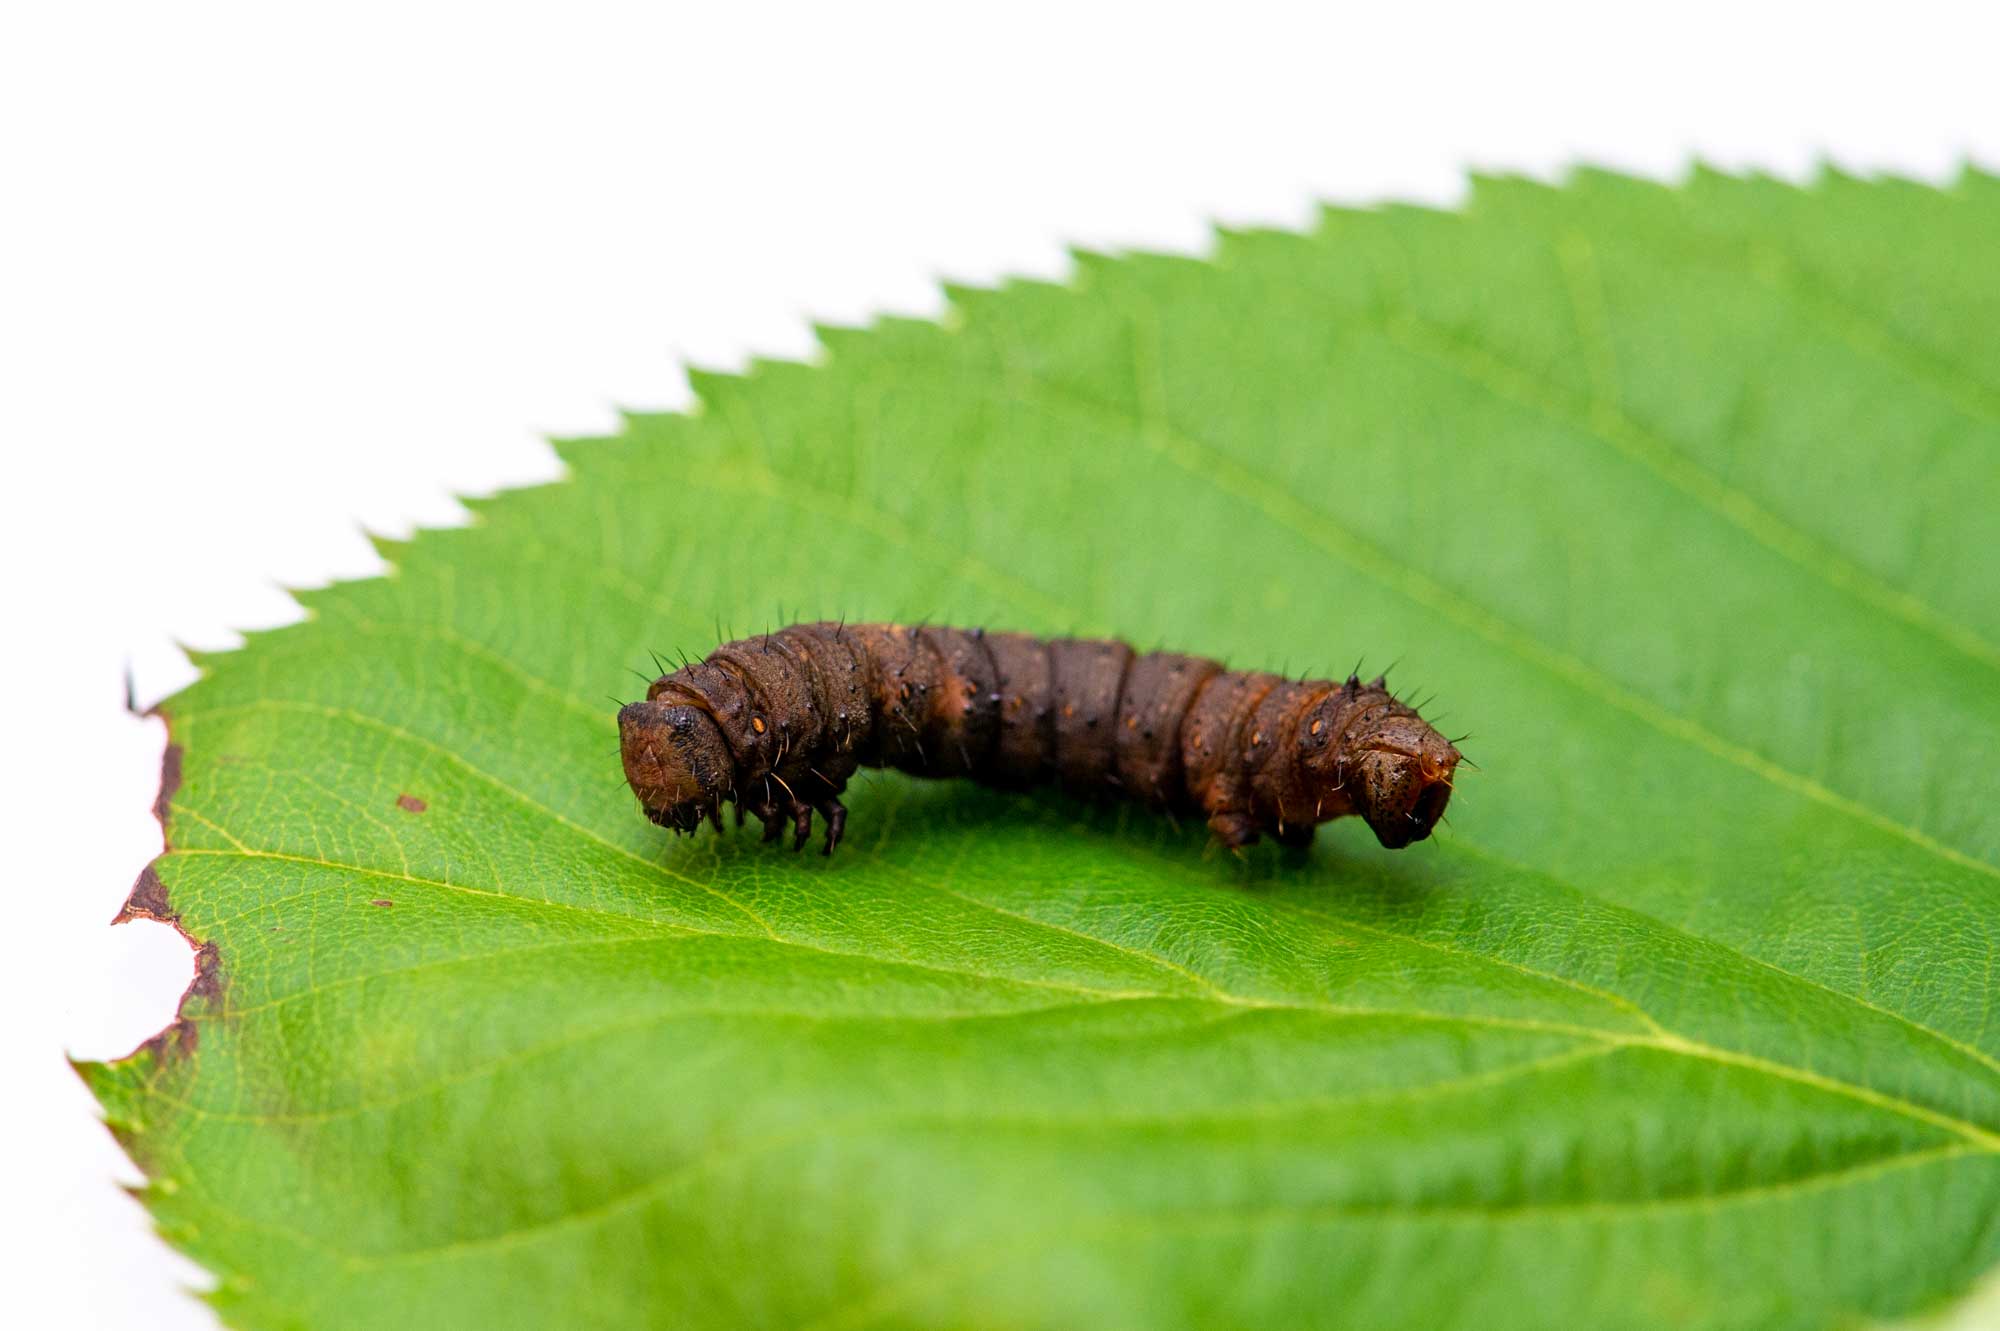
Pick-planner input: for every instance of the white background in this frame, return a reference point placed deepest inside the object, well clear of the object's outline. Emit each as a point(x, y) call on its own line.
point(272, 273)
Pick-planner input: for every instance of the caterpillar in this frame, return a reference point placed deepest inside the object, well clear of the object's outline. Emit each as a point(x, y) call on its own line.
point(777, 724)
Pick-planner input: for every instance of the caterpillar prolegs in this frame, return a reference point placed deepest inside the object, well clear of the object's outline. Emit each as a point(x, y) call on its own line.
point(777, 724)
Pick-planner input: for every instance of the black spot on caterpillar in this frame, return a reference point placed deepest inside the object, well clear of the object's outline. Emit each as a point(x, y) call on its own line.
point(777, 724)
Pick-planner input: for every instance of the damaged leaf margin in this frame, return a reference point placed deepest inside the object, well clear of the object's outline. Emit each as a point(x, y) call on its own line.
point(200, 1001)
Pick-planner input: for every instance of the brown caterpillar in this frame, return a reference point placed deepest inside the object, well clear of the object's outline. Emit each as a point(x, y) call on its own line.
point(777, 724)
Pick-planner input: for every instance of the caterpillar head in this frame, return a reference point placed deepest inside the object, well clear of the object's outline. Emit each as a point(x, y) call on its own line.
point(675, 761)
point(1383, 759)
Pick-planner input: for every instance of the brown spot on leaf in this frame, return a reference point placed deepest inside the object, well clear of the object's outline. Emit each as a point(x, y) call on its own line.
point(410, 804)
point(170, 784)
point(180, 1037)
point(207, 974)
point(147, 901)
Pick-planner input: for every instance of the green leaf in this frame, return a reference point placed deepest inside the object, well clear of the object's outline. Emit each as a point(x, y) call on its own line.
point(1681, 500)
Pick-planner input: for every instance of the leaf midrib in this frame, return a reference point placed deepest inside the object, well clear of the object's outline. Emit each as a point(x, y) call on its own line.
point(734, 1152)
point(995, 1253)
point(1670, 1042)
